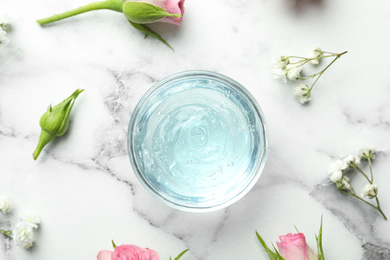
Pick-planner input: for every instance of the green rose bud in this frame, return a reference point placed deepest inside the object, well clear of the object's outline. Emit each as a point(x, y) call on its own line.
point(141, 13)
point(55, 121)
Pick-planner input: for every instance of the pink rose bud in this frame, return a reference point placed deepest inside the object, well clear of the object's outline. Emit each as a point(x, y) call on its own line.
point(294, 247)
point(128, 252)
point(136, 12)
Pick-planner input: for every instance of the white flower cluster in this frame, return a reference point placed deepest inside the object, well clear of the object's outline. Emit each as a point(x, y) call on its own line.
point(23, 233)
point(336, 175)
point(5, 205)
point(338, 168)
point(290, 68)
point(4, 21)
point(370, 190)
point(285, 70)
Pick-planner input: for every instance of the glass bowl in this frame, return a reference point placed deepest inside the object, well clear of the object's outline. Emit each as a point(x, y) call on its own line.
point(198, 141)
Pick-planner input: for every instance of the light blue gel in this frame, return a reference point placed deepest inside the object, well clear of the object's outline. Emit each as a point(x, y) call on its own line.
point(198, 141)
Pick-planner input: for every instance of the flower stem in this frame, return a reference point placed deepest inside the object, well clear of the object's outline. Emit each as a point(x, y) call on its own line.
point(115, 5)
point(368, 203)
point(360, 170)
point(6, 233)
point(379, 207)
point(320, 73)
point(372, 176)
point(44, 139)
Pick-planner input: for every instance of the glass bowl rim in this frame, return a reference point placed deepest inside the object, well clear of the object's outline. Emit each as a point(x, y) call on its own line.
point(257, 170)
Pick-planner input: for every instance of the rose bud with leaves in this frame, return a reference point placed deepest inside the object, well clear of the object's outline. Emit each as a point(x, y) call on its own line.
point(138, 13)
point(55, 121)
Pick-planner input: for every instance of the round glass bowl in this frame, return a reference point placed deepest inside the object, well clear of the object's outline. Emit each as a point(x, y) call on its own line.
point(198, 141)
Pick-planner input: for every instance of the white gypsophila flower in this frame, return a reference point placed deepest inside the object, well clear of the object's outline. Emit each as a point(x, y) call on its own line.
point(23, 235)
point(338, 165)
point(370, 190)
point(336, 176)
point(344, 184)
point(294, 71)
point(315, 54)
point(279, 71)
point(302, 93)
point(280, 74)
point(5, 205)
point(31, 219)
point(281, 62)
point(352, 160)
point(367, 153)
point(4, 21)
point(3, 38)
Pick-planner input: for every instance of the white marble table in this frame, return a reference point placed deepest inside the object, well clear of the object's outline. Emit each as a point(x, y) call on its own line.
point(83, 186)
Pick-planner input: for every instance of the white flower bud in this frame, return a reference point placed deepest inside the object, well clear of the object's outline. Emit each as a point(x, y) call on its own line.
point(315, 54)
point(352, 160)
point(280, 74)
point(279, 71)
point(5, 205)
point(344, 184)
point(31, 219)
point(370, 190)
point(23, 235)
point(3, 38)
point(294, 71)
point(338, 165)
point(336, 176)
point(367, 153)
point(4, 21)
point(281, 62)
point(302, 93)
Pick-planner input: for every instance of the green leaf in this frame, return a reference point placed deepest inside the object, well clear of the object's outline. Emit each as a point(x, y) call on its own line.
point(320, 250)
point(272, 255)
point(180, 255)
point(113, 244)
point(277, 252)
point(148, 32)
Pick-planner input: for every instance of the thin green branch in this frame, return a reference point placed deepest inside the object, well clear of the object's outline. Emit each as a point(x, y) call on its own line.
point(372, 175)
point(322, 72)
point(360, 170)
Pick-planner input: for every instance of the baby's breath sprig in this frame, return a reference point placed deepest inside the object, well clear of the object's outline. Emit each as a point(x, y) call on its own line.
point(23, 232)
point(338, 169)
point(290, 68)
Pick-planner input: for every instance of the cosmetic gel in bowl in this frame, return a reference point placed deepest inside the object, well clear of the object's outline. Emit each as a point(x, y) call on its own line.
point(198, 141)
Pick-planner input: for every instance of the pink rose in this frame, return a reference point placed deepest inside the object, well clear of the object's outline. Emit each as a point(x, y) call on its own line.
point(294, 247)
point(171, 6)
point(128, 252)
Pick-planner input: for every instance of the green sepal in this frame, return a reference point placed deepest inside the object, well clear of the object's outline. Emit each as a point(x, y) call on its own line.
point(272, 255)
point(180, 255)
point(277, 253)
point(7, 233)
point(148, 32)
point(139, 12)
point(113, 244)
point(320, 251)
